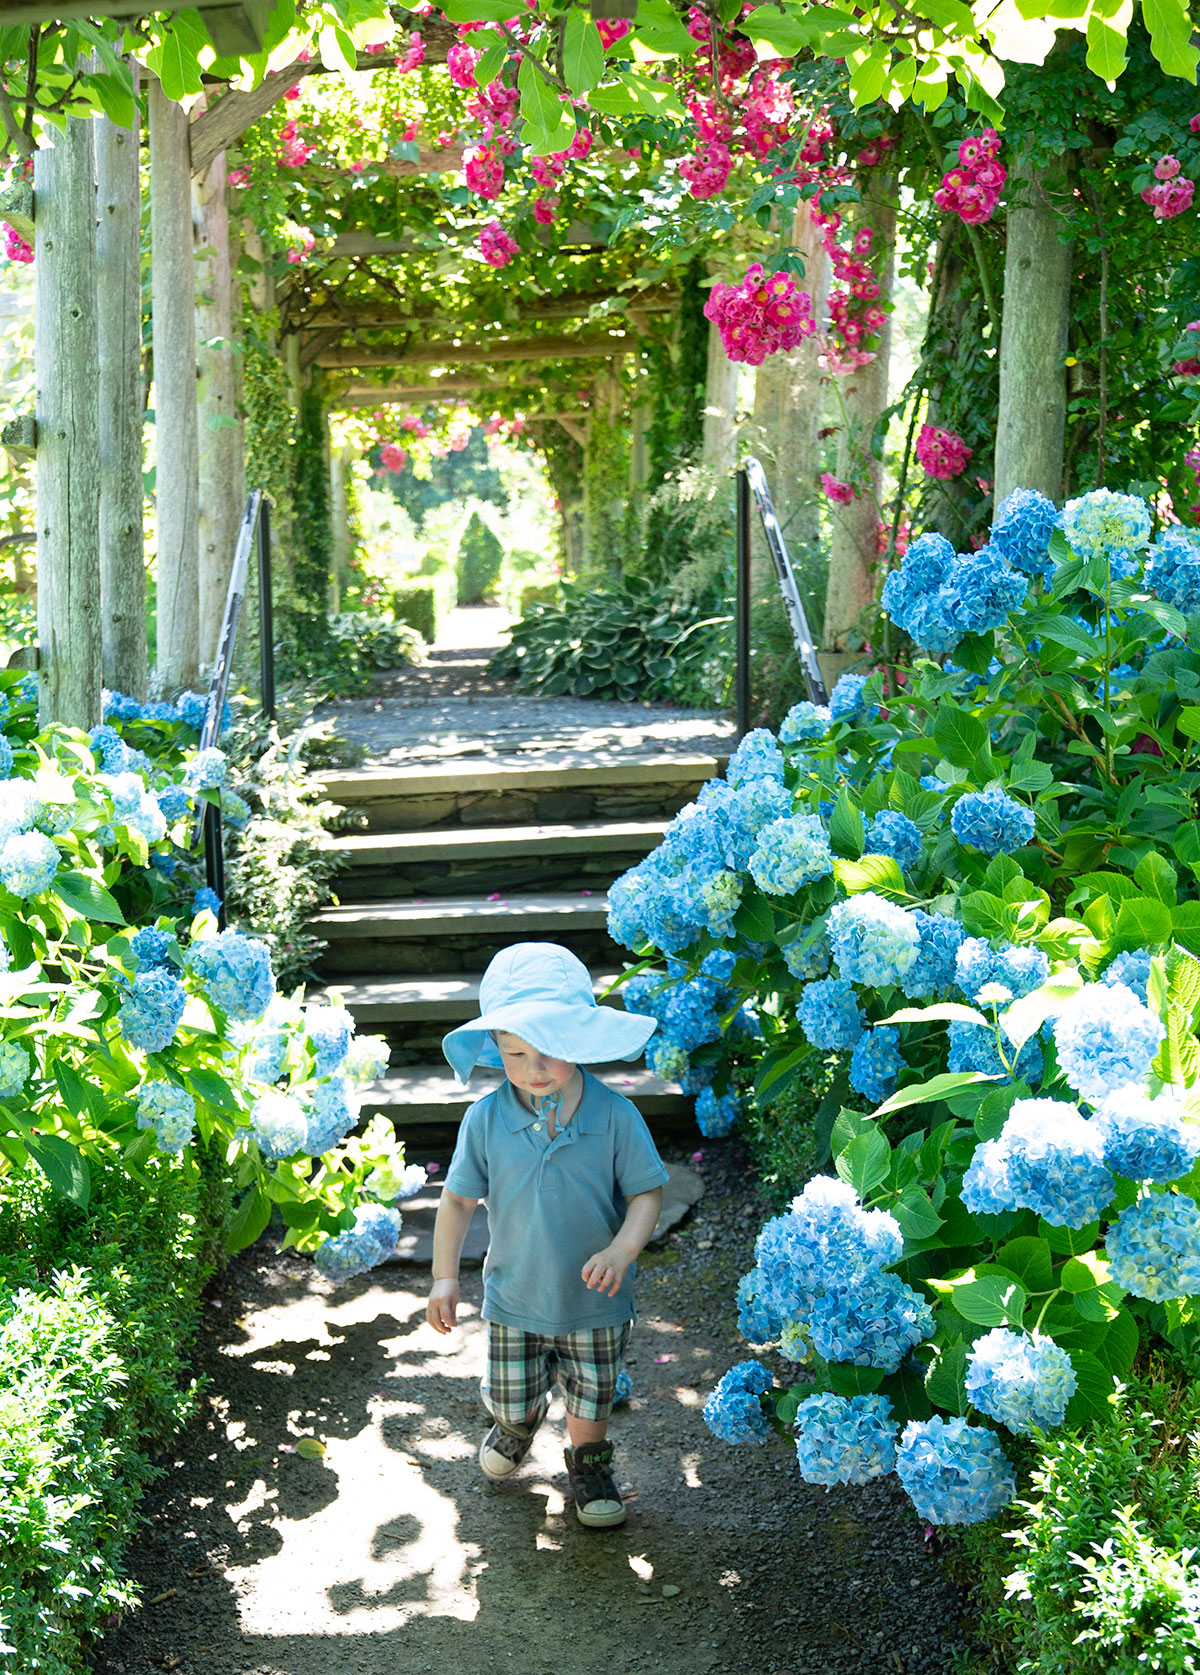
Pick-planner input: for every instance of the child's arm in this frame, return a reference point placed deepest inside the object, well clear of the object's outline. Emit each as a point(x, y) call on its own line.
point(449, 1230)
point(606, 1270)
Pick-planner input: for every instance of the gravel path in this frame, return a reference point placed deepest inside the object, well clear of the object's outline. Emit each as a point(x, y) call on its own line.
point(389, 1554)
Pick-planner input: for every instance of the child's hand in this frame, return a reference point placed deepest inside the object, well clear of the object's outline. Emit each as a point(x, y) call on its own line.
point(605, 1271)
point(441, 1311)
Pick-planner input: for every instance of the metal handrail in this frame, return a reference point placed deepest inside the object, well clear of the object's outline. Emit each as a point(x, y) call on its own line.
point(255, 531)
point(752, 478)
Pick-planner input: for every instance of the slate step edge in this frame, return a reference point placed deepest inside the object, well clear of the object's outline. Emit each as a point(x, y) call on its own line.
point(366, 784)
point(448, 995)
point(460, 916)
point(464, 843)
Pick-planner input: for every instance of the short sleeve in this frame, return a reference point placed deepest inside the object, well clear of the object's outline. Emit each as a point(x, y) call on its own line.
point(637, 1164)
point(468, 1172)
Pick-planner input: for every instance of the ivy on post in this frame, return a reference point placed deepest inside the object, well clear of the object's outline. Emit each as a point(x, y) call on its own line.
point(68, 429)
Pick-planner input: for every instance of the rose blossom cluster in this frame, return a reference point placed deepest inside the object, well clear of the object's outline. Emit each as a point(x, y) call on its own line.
point(294, 149)
point(413, 56)
point(837, 492)
point(854, 314)
point(760, 316)
point(393, 457)
point(941, 452)
point(763, 107)
point(972, 189)
point(498, 429)
point(15, 247)
point(1172, 191)
point(415, 423)
point(496, 246)
point(300, 252)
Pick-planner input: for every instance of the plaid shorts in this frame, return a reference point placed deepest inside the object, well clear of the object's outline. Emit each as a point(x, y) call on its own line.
point(524, 1366)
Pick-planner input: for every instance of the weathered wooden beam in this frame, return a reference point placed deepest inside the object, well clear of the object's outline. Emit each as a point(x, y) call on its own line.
point(228, 117)
point(419, 395)
point(19, 438)
point(548, 348)
point(378, 316)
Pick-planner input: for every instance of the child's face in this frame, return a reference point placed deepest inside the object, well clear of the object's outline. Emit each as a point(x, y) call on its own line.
point(530, 1071)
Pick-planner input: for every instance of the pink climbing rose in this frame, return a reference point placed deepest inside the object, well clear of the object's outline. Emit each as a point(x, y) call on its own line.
point(760, 316)
point(1169, 196)
point(972, 190)
point(496, 246)
point(392, 457)
point(413, 57)
point(839, 493)
point(545, 208)
point(707, 169)
point(1167, 167)
point(15, 247)
point(460, 62)
point(484, 171)
point(613, 29)
point(942, 453)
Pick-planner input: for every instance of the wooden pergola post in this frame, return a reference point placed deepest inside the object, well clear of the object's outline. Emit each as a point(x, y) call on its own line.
point(67, 420)
point(175, 412)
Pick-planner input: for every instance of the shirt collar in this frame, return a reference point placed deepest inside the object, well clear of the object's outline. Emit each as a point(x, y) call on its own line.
point(589, 1118)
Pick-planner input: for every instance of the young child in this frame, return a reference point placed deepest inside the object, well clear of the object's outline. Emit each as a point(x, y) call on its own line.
point(573, 1185)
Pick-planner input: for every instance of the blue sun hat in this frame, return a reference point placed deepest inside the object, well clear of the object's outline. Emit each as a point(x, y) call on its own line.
point(543, 993)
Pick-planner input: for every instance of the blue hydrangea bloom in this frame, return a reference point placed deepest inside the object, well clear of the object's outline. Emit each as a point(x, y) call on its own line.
point(719, 964)
point(1155, 1247)
point(15, 1065)
point(236, 970)
point(847, 697)
point(875, 1064)
point(116, 706)
point(159, 710)
point(717, 1115)
point(149, 946)
point(1022, 1381)
point(830, 1015)
point(1104, 524)
point(826, 1241)
point(192, 707)
point(938, 596)
point(207, 769)
point(279, 1123)
point(874, 941)
point(1131, 967)
point(954, 1473)
point(804, 721)
point(206, 901)
point(329, 1030)
point(646, 993)
point(174, 801)
point(872, 1324)
point(1048, 1159)
point(133, 806)
point(168, 865)
point(387, 1184)
point(845, 1439)
point(371, 1240)
point(807, 960)
point(973, 1047)
point(789, 854)
point(759, 1320)
point(667, 1059)
point(28, 863)
point(332, 1111)
point(931, 782)
point(1147, 1139)
point(1173, 572)
point(1105, 1039)
point(170, 1111)
point(894, 834)
point(1018, 970)
point(733, 1411)
point(733, 818)
point(756, 757)
point(150, 1013)
point(367, 1060)
point(717, 899)
point(110, 748)
point(1021, 530)
point(6, 757)
point(624, 1386)
point(992, 822)
point(933, 969)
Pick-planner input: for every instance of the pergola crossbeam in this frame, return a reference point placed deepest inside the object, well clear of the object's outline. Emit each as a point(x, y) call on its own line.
point(457, 354)
point(380, 316)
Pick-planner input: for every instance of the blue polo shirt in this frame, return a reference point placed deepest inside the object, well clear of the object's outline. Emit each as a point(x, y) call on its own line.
point(553, 1203)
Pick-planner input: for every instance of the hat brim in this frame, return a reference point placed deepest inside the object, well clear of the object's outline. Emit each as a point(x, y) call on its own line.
point(577, 1034)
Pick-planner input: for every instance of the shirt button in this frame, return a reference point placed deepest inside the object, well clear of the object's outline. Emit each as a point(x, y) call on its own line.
point(537, 1128)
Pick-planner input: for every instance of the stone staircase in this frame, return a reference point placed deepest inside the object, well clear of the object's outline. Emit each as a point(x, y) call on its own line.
point(459, 860)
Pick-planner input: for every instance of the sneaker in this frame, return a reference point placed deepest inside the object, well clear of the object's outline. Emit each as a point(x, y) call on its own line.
point(501, 1451)
point(598, 1505)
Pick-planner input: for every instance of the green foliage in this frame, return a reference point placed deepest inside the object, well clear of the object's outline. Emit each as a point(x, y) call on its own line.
point(465, 474)
point(98, 1307)
point(609, 518)
point(337, 655)
point(313, 555)
point(620, 639)
point(415, 603)
point(1106, 1580)
point(678, 371)
point(480, 556)
point(788, 1131)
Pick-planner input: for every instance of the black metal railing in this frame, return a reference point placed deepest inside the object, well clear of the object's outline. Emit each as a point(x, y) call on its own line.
point(751, 479)
point(255, 533)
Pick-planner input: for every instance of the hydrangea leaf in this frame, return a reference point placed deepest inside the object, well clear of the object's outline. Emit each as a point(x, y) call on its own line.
point(873, 872)
point(847, 834)
point(249, 1219)
point(1185, 923)
point(1031, 1260)
point(212, 1089)
point(1119, 1344)
point(1026, 1016)
point(310, 1448)
point(917, 1217)
point(990, 1299)
point(937, 1087)
point(959, 735)
point(77, 1096)
point(778, 1066)
point(945, 1012)
point(1093, 1391)
point(1101, 1302)
point(906, 1392)
point(88, 897)
point(845, 1380)
point(946, 1379)
point(865, 1162)
point(1069, 1241)
point(63, 1165)
point(1142, 922)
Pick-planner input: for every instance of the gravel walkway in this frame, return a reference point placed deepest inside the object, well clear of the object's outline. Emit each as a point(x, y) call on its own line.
point(387, 1555)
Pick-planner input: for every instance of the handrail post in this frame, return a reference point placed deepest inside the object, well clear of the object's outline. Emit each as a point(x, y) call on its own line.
point(752, 472)
point(266, 612)
point(742, 674)
point(214, 857)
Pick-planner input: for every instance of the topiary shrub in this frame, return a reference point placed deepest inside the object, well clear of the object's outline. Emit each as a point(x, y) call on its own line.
point(480, 556)
point(415, 604)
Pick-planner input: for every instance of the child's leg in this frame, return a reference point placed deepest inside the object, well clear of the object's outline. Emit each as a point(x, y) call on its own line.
point(588, 1366)
point(519, 1378)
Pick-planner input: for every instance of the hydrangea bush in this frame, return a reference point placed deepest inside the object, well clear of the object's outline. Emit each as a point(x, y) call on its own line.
point(974, 880)
point(131, 1024)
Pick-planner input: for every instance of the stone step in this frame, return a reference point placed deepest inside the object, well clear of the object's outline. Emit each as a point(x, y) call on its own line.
point(446, 997)
point(458, 933)
point(461, 860)
point(425, 1095)
point(513, 791)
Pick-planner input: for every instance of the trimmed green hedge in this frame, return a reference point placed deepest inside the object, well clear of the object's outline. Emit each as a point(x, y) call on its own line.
point(415, 603)
point(96, 1309)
